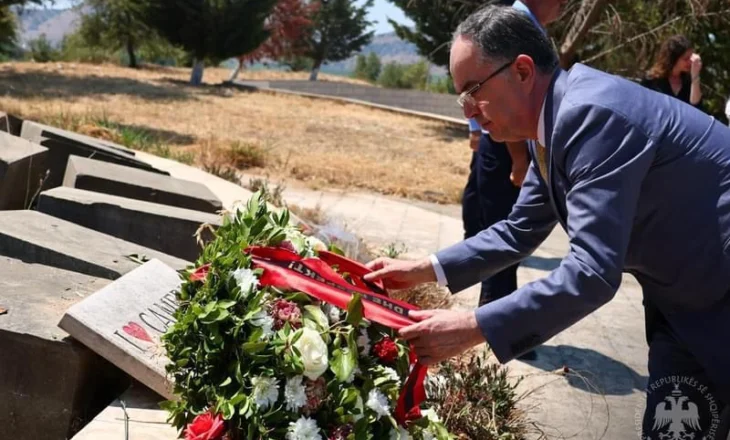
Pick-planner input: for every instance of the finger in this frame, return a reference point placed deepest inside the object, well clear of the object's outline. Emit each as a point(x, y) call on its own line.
point(421, 315)
point(381, 274)
point(411, 333)
point(375, 264)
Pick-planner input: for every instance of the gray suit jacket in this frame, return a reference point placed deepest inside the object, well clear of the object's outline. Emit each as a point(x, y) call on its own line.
point(641, 183)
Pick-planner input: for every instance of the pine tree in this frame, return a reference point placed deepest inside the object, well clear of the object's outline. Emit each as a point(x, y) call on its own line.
point(339, 30)
point(210, 30)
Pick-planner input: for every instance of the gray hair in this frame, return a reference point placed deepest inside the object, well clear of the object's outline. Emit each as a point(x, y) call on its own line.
point(503, 33)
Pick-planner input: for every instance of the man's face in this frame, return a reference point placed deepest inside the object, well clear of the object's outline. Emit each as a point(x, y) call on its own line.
point(500, 105)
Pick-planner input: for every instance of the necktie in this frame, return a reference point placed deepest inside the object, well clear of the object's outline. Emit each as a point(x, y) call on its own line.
point(542, 160)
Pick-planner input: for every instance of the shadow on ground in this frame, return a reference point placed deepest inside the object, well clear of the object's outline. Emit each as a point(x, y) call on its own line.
point(591, 371)
point(57, 85)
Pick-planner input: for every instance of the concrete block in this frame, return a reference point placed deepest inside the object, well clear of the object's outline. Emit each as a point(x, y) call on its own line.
point(34, 237)
point(123, 322)
point(22, 169)
point(146, 420)
point(50, 385)
point(10, 124)
point(167, 229)
point(62, 144)
point(117, 180)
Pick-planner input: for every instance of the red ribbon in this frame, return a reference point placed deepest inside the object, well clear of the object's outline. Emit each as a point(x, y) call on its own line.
point(314, 276)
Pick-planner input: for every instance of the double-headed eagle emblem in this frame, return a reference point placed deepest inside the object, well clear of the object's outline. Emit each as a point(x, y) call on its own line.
point(680, 414)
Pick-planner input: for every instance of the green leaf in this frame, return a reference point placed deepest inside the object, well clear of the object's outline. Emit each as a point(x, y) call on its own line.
point(355, 310)
point(226, 382)
point(315, 315)
point(336, 250)
point(342, 363)
point(226, 304)
point(299, 298)
point(253, 347)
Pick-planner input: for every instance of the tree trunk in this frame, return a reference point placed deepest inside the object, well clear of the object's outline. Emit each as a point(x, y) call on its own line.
point(587, 16)
point(315, 70)
point(130, 53)
point(196, 78)
point(238, 69)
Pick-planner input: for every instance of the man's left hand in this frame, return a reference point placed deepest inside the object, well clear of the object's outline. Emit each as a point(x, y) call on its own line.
point(442, 334)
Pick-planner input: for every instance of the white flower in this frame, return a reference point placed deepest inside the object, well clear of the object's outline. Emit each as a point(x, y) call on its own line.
point(303, 429)
point(363, 341)
point(431, 415)
point(266, 322)
point(427, 435)
point(378, 403)
point(315, 243)
point(246, 280)
point(333, 313)
point(295, 393)
point(351, 377)
point(400, 434)
point(391, 374)
point(314, 353)
point(265, 391)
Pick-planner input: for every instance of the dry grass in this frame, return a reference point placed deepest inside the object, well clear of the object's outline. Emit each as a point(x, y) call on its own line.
point(322, 143)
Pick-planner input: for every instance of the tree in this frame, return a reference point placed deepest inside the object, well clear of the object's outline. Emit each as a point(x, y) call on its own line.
point(288, 25)
point(339, 30)
point(115, 25)
point(367, 67)
point(211, 30)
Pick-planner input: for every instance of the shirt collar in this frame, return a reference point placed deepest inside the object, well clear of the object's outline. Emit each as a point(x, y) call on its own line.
point(541, 124)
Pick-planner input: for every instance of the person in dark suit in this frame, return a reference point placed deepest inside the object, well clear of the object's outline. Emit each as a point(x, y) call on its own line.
point(497, 170)
point(676, 71)
point(639, 181)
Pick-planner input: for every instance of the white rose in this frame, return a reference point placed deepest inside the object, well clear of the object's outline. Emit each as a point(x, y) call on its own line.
point(314, 353)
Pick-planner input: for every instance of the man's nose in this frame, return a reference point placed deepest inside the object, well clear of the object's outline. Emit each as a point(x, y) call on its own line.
point(470, 110)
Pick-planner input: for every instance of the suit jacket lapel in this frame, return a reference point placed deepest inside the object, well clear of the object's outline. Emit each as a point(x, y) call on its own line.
point(554, 97)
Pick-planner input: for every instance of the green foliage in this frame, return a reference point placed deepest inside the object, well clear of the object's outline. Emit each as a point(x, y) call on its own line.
point(211, 30)
point(42, 51)
point(297, 63)
point(368, 67)
point(339, 30)
point(75, 48)
point(627, 38)
point(228, 338)
point(8, 32)
point(402, 76)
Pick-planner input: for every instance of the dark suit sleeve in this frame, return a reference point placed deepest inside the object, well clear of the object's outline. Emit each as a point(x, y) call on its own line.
point(504, 243)
point(605, 159)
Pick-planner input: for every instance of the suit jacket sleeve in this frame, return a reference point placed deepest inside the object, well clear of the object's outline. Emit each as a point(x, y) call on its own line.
point(604, 158)
point(504, 243)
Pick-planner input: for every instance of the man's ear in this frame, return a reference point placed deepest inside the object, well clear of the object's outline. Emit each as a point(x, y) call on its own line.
point(525, 68)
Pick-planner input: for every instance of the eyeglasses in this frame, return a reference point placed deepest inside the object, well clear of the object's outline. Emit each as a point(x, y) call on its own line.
point(466, 96)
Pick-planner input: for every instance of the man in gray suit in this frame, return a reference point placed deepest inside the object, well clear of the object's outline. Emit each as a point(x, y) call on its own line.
point(639, 181)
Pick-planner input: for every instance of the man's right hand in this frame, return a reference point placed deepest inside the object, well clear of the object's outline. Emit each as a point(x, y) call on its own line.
point(401, 274)
point(474, 138)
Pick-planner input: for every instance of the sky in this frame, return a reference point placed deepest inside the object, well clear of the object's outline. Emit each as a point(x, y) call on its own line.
point(380, 12)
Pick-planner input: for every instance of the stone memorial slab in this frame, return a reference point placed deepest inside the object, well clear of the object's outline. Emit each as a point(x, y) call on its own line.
point(123, 322)
point(10, 124)
point(167, 229)
point(50, 385)
point(144, 418)
point(43, 239)
point(22, 169)
point(61, 144)
point(117, 180)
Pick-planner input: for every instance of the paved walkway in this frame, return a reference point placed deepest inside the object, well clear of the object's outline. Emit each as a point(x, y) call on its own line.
point(606, 351)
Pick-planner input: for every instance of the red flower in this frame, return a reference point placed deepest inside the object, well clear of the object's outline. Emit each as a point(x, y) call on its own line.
point(200, 273)
point(340, 433)
point(386, 350)
point(205, 427)
point(286, 311)
point(316, 392)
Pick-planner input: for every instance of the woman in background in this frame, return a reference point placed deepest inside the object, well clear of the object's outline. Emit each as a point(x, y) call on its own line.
point(676, 71)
